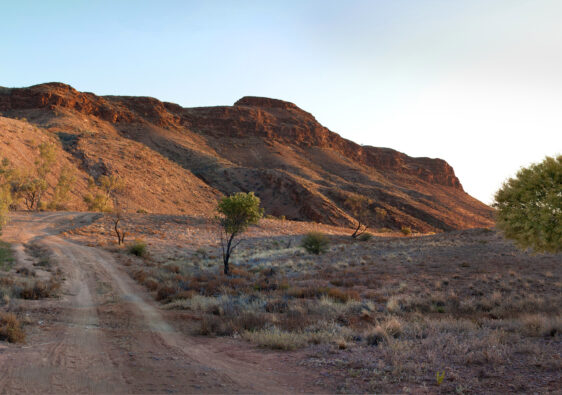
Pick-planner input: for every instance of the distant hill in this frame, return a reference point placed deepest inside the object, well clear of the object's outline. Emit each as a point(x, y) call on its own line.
point(181, 160)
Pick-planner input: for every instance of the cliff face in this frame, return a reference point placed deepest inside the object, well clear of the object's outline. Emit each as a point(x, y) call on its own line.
point(299, 168)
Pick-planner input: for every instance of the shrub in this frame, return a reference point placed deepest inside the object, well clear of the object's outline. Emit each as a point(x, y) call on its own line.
point(38, 290)
point(138, 248)
point(343, 296)
point(375, 336)
point(406, 230)
point(315, 243)
point(10, 328)
point(277, 339)
point(165, 293)
point(393, 327)
point(529, 206)
point(365, 237)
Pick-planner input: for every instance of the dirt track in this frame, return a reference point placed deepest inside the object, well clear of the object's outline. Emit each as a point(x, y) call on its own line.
point(104, 336)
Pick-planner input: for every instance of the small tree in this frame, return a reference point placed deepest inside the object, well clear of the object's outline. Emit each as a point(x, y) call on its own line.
point(529, 206)
point(44, 165)
point(62, 189)
point(32, 190)
point(47, 157)
point(6, 198)
point(118, 219)
point(236, 213)
point(102, 193)
point(359, 207)
point(5, 202)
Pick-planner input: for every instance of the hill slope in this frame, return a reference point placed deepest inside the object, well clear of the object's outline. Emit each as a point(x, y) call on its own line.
point(180, 160)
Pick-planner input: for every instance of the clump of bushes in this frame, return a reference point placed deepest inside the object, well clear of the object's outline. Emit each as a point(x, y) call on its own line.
point(315, 243)
point(138, 248)
point(10, 328)
point(406, 230)
point(37, 290)
point(365, 237)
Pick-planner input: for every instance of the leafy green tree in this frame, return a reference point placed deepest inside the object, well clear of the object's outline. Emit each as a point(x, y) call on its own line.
point(44, 166)
point(102, 192)
point(47, 157)
point(32, 189)
point(236, 213)
point(5, 203)
point(6, 174)
point(62, 189)
point(529, 206)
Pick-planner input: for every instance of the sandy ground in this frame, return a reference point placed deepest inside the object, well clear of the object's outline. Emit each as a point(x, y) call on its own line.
point(104, 335)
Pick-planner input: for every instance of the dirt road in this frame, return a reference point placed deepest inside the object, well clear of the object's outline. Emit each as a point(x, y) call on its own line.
point(104, 335)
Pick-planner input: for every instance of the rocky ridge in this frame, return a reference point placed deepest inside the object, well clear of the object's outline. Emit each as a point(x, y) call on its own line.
point(182, 159)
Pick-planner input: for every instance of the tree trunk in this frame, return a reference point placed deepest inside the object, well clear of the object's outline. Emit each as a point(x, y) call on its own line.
point(227, 255)
point(226, 267)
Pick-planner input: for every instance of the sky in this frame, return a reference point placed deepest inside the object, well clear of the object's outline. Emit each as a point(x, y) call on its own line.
point(475, 82)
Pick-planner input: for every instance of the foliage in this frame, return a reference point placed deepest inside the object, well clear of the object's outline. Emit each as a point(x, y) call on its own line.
point(529, 206)
point(5, 202)
point(439, 376)
point(6, 256)
point(11, 328)
point(6, 198)
point(62, 189)
point(359, 207)
point(32, 190)
point(236, 213)
point(315, 243)
point(365, 237)
point(102, 192)
point(406, 230)
point(47, 157)
point(138, 248)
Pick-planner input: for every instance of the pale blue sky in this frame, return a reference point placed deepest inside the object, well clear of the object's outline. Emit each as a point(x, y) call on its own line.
point(475, 82)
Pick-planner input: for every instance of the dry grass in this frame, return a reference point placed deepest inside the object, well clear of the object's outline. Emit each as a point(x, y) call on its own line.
point(381, 315)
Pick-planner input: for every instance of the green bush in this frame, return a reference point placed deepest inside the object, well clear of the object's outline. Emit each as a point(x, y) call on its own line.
point(365, 237)
point(315, 243)
point(138, 248)
point(406, 230)
point(529, 206)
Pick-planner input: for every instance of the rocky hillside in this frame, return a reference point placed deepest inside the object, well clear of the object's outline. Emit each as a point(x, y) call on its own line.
point(181, 160)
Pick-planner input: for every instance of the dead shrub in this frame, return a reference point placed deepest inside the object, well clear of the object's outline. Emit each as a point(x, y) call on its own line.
point(140, 276)
point(165, 293)
point(151, 284)
point(393, 327)
point(250, 321)
point(24, 271)
point(343, 296)
point(376, 336)
point(276, 306)
point(173, 268)
point(38, 290)
point(212, 325)
point(10, 328)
